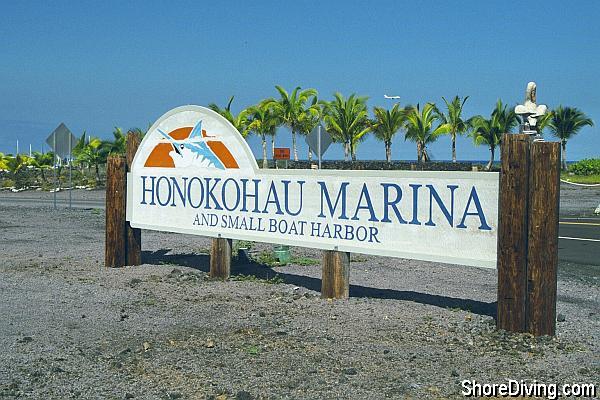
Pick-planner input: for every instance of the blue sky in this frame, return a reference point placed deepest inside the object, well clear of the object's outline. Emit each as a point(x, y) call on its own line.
point(96, 65)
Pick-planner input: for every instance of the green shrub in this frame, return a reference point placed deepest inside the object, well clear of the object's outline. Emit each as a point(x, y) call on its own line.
point(24, 178)
point(89, 181)
point(588, 166)
point(8, 183)
point(305, 261)
point(267, 258)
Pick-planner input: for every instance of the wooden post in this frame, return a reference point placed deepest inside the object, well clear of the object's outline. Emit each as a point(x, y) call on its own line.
point(512, 233)
point(335, 281)
point(116, 238)
point(528, 235)
point(220, 258)
point(542, 253)
point(134, 235)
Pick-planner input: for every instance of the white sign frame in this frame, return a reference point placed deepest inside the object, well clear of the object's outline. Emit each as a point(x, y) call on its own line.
point(436, 242)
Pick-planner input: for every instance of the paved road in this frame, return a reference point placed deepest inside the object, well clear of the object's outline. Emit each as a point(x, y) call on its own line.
point(579, 238)
point(62, 201)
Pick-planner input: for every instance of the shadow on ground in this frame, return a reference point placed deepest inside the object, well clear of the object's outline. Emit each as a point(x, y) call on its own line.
point(248, 267)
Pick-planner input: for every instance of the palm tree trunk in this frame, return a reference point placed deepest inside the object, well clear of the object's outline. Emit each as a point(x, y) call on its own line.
point(564, 154)
point(97, 174)
point(353, 152)
point(272, 145)
point(346, 150)
point(388, 151)
point(491, 162)
point(294, 145)
point(454, 148)
point(418, 152)
point(309, 155)
point(264, 149)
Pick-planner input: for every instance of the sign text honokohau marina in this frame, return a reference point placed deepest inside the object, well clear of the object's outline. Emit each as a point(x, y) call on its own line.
point(194, 173)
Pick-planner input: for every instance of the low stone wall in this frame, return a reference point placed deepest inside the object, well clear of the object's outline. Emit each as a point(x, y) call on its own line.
point(376, 165)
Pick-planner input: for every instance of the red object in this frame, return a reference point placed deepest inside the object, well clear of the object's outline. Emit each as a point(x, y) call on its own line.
point(281, 153)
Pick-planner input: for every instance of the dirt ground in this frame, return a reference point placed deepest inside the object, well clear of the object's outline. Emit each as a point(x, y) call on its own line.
point(69, 328)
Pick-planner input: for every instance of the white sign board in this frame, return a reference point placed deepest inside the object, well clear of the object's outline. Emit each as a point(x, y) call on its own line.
point(194, 173)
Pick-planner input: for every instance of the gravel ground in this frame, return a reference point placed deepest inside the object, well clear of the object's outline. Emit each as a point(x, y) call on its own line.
point(578, 201)
point(70, 328)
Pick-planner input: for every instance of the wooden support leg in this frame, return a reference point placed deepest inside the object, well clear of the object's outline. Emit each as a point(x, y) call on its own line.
point(335, 282)
point(512, 233)
point(542, 253)
point(220, 258)
point(528, 235)
point(116, 238)
point(134, 235)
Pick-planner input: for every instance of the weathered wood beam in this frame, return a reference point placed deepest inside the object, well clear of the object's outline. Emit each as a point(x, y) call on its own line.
point(220, 258)
point(512, 233)
point(542, 253)
point(335, 281)
point(134, 235)
point(116, 237)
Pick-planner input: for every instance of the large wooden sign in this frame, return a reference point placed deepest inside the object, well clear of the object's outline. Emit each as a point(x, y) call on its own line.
point(194, 173)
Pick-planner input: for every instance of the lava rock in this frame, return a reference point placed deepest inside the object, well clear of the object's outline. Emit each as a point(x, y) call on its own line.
point(243, 395)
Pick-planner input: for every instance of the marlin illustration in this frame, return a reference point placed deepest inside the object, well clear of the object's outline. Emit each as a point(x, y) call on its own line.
point(193, 149)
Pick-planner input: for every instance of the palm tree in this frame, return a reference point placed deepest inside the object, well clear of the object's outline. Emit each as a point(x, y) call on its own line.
point(543, 122)
point(94, 153)
point(419, 128)
point(138, 131)
point(347, 121)
point(79, 146)
point(239, 121)
point(386, 124)
point(3, 162)
point(484, 132)
point(310, 119)
point(119, 143)
point(490, 131)
point(356, 140)
point(43, 162)
point(565, 123)
point(453, 119)
point(505, 118)
point(263, 122)
point(17, 163)
point(290, 107)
